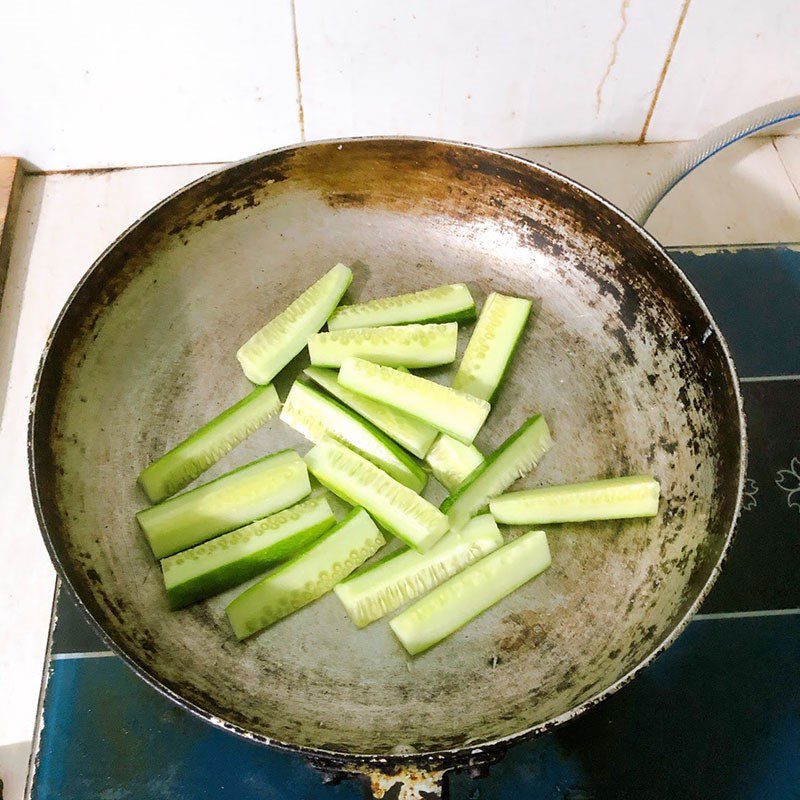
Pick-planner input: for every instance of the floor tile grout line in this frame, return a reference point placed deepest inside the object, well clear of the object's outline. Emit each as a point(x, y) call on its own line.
point(733, 247)
point(87, 654)
point(783, 164)
point(664, 69)
point(301, 116)
point(767, 612)
point(769, 378)
point(34, 171)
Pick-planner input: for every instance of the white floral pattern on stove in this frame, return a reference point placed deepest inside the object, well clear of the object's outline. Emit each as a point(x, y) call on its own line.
point(749, 501)
point(789, 481)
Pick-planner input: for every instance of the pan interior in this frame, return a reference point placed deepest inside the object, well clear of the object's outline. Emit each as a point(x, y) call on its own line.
point(619, 356)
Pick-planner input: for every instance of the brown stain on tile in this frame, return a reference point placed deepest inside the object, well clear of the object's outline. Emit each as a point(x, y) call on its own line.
point(662, 77)
point(623, 14)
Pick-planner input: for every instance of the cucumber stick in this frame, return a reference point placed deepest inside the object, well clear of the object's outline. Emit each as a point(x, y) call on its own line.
point(315, 415)
point(306, 577)
point(227, 561)
point(415, 436)
point(269, 350)
point(517, 456)
point(393, 345)
point(250, 492)
point(380, 588)
point(193, 456)
point(614, 498)
point(492, 345)
point(440, 304)
point(359, 482)
point(456, 413)
point(485, 361)
point(451, 461)
point(462, 598)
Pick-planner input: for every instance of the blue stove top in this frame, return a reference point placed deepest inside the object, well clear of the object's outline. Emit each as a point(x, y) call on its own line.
point(716, 716)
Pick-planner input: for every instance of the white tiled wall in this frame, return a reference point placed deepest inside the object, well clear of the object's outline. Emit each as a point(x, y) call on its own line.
point(503, 73)
point(731, 56)
point(92, 83)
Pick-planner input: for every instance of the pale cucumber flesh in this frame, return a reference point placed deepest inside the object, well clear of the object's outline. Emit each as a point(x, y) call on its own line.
point(359, 482)
point(269, 350)
point(613, 498)
point(316, 416)
point(306, 577)
point(517, 456)
point(235, 557)
point(440, 304)
point(452, 461)
point(380, 588)
point(458, 414)
point(492, 345)
point(413, 435)
point(462, 598)
point(394, 345)
point(194, 455)
point(250, 492)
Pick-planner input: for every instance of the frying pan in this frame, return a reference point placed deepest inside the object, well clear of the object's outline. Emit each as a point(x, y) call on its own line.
point(622, 357)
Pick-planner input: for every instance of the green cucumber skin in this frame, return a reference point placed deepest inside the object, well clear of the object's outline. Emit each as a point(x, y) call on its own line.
point(437, 396)
point(201, 570)
point(419, 574)
point(179, 467)
point(417, 441)
point(414, 346)
point(466, 315)
point(449, 503)
point(227, 576)
point(318, 470)
point(408, 472)
point(260, 347)
point(357, 312)
point(511, 353)
point(290, 600)
point(579, 502)
point(474, 590)
point(490, 395)
point(168, 537)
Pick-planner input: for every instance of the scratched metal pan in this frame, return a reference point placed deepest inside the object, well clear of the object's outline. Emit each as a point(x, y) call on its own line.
point(621, 356)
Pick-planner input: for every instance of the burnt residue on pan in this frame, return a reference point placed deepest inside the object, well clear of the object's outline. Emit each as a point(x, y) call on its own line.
point(621, 357)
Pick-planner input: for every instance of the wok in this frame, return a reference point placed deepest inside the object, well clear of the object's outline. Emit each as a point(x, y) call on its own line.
point(622, 357)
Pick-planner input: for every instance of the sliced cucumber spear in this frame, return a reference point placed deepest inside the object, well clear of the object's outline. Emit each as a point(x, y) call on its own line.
point(227, 561)
point(250, 492)
point(393, 345)
point(517, 456)
point(316, 416)
point(269, 350)
point(194, 455)
point(360, 483)
point(485, 361)
point(452, 462)
point(492, 345)
point(453, 604)
point(440, 304)
point(459, 414)
point(380, 588)
point(614, 498)
point(307, 576)
point(415, 436)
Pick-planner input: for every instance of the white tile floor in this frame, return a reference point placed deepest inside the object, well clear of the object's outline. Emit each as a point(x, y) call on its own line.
point(748, 194)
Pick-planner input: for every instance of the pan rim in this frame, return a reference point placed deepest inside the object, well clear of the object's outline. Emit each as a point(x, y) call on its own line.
point(445, 758)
